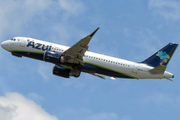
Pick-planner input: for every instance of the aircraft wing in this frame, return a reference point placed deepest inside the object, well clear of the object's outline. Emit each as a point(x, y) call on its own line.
point(75, 53)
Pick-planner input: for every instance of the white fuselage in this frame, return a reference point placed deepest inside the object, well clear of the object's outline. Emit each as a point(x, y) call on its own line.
point(128, 68)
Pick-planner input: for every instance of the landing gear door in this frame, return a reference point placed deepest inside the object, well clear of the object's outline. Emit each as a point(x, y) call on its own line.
point(22, 43)
point(135, 69)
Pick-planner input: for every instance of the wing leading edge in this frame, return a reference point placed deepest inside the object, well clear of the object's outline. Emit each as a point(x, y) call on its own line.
point(75, 53)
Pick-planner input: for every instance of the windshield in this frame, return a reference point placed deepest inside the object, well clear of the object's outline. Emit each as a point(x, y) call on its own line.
point(13, 39)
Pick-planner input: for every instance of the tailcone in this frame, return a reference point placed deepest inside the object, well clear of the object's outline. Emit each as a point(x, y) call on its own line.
point(168, 75)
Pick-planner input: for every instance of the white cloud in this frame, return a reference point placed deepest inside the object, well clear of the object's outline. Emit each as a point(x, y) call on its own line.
point(4, 87)
point(169, 9)
point(16, 14)
point(147, 38)
point(163, 99)
point(35, 97)
point(64, 32)
point(14, 106)
point(72, 6)
point(159, 99)
point(147, 43)
point(45, 70)
point(73, 83)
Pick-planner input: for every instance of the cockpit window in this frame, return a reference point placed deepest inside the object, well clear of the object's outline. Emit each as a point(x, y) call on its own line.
point(13, 39)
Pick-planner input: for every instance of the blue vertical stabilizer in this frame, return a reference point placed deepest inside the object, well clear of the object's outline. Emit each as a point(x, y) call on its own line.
point(161, 57)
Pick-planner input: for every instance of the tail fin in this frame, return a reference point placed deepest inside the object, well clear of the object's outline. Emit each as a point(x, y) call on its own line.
point(161, 57)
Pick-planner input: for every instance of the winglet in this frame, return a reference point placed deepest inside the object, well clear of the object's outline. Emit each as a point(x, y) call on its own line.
point(92, 34)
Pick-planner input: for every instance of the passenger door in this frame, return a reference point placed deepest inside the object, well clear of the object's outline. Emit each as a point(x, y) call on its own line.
point(135, 68)
point(22, 43)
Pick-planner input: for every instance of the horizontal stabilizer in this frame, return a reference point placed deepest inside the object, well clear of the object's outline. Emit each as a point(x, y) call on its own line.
point(158, 70)
point(169, 79)
point(100, 76)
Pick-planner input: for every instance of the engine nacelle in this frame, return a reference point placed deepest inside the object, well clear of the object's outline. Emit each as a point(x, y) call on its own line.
point(63, 72)
point(60, 71)
point(53, 57)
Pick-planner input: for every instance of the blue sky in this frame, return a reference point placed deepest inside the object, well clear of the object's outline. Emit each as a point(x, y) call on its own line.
point(131, 29)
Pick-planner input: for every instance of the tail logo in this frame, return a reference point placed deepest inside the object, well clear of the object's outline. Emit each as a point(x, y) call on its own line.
point(164, 57)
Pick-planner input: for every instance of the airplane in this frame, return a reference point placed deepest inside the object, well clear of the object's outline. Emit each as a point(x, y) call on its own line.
point(71, 61)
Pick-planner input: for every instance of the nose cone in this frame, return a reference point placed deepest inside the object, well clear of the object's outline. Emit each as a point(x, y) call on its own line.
point(4, 45)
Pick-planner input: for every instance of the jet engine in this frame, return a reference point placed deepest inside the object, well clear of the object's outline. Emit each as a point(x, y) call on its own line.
point(60, 71)
point(63, 72)
point(53, 57)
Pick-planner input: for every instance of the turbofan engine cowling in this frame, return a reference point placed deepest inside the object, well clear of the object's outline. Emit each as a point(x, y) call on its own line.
point(61, 71)
point(53, 57)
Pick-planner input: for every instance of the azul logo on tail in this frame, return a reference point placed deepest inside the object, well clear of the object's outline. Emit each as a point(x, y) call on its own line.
point(164, 57)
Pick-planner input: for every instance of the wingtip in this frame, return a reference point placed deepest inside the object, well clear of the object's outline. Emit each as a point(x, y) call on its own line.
point(92, 34)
